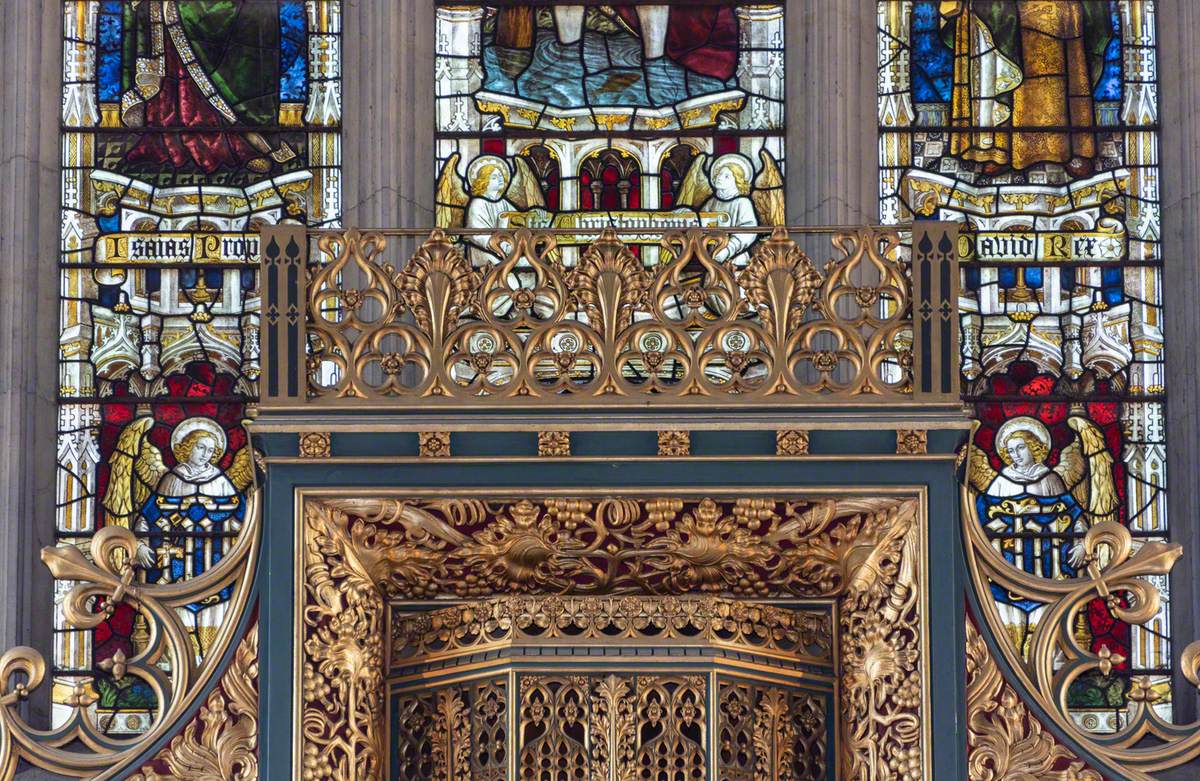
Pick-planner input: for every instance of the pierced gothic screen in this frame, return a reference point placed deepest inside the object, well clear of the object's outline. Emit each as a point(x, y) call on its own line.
point(582, 116)
point(185, 125)
point(1033, 124)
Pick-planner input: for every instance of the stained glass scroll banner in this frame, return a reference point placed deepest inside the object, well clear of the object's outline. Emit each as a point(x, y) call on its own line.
point(186, 125)
point(557, 115)
point(1033, 124)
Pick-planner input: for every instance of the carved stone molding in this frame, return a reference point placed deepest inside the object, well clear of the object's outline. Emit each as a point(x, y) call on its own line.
point(866, 552)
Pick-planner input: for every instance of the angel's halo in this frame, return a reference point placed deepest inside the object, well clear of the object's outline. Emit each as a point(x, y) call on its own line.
point(483, 160)
point(735, 159)
point(1023, 423)
point(208, 425)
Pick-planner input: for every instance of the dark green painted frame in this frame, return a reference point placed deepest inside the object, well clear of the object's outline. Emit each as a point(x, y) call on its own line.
point(875, 464)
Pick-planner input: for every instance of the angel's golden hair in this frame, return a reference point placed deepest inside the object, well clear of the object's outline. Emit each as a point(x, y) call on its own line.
point(1036, 448)
point(739, 176)
point(479, 183)
point(183, 450)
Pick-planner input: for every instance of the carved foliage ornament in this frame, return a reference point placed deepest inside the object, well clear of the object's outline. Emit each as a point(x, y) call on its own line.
point(478, 626)
point(1004, 740)
point(865, 552)
point(554, 443)
point(220, 743)
point(607, 327)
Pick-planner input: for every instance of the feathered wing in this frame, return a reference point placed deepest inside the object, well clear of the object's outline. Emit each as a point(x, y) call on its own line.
point(695, 189)
point(1086, 467)
point(979, 470)
point(768, 192)
point(241, 471)
point(135, 467)
point(524, 190)
point(450, 210)
point(1073, 469)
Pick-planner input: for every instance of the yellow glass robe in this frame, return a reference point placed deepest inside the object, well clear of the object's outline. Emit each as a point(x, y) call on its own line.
point(999, 102)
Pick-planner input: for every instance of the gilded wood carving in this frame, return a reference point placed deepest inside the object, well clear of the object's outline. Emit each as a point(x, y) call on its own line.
point(221, 744)
point(1004, 739)
point(607, 328)
point(221, 740)
point(456, 733)
point(1112, 568)
point(865, 552)
point(557, 620)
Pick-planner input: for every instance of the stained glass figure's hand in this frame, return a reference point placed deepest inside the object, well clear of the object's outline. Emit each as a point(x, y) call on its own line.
point(1077, 555)
point(145, 555)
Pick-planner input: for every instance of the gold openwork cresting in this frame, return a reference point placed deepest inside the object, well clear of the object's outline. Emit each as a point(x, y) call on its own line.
point(352, 324)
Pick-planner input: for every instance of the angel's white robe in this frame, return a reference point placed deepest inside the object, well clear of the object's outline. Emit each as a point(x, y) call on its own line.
point(486, 213)
point(740, 214)
point(1034, 480)
point(188, 480)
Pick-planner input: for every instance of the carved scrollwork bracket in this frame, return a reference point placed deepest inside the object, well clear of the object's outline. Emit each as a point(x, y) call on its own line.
point(166, 663)
point(1113, 569)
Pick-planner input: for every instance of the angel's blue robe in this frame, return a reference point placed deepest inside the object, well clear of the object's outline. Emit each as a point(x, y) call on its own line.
point(1015, 523)
point(190, 534)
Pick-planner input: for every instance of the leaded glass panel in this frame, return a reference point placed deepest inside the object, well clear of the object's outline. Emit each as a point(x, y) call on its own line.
point(580, 116)
point(185, 125)
point(1033, 124)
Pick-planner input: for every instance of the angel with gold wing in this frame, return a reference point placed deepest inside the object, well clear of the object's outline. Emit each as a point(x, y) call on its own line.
point(494, 192)
point(1027, 499)
point(724, 187)
point(186, 514)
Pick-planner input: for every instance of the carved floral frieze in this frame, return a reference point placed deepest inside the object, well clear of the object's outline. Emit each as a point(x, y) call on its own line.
point(606, 327)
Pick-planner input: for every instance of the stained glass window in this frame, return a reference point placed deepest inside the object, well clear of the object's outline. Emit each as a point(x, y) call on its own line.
point(581, 116)
point(1033, 124)
point(185, 125)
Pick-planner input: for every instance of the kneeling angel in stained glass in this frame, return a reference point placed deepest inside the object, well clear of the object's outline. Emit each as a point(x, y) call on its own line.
point(723, 188)
point(1036, 515)
point(490, 197)
point(187, 513)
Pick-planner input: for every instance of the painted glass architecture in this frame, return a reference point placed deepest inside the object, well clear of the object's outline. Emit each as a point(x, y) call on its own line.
point(1033, 125)
point(186, 124)
point(573, 116)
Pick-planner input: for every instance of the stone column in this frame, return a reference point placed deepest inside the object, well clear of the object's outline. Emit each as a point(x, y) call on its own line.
point(387, 113)
point(30, 71)
point(831, 84)
point(1179, 152)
